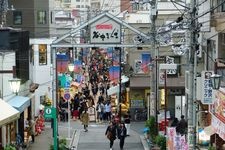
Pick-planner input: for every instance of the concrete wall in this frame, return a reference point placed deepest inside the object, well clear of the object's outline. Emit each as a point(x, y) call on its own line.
point(42, 74)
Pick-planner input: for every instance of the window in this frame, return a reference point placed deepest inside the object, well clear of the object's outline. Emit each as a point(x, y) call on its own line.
point(17, 17)
point(41, 17)
point(222, 7)
point(78, 6)
point(42, 54)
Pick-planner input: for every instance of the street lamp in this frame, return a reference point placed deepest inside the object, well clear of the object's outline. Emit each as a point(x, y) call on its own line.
point(215, 81)
point(15, 85)
point(71, 69)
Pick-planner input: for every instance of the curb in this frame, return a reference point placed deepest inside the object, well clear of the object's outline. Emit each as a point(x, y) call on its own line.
point(144, 142)
point(75, 140)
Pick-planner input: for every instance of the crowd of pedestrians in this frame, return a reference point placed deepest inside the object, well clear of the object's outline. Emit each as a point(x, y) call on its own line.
point(94, 94)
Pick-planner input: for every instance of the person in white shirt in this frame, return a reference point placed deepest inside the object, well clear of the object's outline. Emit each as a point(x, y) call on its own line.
point(108, 111)
point(100, 111)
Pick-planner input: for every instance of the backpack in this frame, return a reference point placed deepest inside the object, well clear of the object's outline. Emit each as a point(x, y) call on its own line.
point(97, 107)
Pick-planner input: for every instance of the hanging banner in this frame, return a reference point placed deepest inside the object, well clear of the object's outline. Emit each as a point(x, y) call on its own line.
point(218, 106)
point(175, 141)
point(146, 59)
point(170, 60)
point(218, 126)
point(138, 67)
point(109, 52)
point(62, 66)
point(207, 95)
point(77, 66)
point(114, 72)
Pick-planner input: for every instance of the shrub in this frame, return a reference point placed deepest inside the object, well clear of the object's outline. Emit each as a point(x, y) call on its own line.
point(211, 148)
point(151, 124)
point(62, 145)
point(161, 142)
point(10, 147)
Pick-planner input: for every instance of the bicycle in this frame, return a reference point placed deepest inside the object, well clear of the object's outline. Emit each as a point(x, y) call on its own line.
point(140, 115)
point(19, 143)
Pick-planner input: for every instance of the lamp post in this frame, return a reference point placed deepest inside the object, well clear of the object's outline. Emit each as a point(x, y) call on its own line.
point(215, 81)
point(71, 69)
point(15, 85)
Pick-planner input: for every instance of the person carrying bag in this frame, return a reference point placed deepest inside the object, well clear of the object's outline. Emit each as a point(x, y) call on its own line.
point(110, 133)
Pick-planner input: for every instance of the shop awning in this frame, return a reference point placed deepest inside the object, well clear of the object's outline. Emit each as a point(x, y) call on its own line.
point(7, 113)
point(20, 102)
point(115, 89)
point(209, 130)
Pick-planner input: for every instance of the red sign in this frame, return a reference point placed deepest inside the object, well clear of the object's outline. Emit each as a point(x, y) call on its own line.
point(104, 26)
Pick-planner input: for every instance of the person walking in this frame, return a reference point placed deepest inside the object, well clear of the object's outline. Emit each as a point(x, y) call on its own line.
point(32, 129)
point(175, 124)
point(85, 119)
point(100, 110)
point(182, 126)
point(127, 123)
point(108, 110)
point(122, 133)
point(111, 134)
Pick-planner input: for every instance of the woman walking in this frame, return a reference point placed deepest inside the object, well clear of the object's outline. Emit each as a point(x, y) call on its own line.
point(122, 133)
point(85, 120)
point(111, 134)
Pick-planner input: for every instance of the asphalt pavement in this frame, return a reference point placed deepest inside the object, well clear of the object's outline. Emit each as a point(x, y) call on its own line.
point(94, 139)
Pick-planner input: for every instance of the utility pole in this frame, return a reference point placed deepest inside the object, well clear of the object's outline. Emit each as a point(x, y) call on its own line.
point(3, 11)
point(191, 77)
point(153, 16)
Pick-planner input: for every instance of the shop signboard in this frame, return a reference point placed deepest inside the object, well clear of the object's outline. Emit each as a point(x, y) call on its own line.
point(218, 106)
point(105, 30)
point(207, 91)
point(175, 141)
point(218, 126)
point(135, 103)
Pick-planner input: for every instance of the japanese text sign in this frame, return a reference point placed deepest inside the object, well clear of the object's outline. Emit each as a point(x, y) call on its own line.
point(105, 30)
point(207, 93)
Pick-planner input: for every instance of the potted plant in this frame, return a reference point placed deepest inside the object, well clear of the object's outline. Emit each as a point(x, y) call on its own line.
point(211, 148)
point(161, 141)
point(10, 147)
point(151, 124)
point(62, 145)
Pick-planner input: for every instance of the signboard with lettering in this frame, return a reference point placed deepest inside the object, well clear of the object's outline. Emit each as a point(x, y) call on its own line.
point(135, 103)
point(175, 141)
point(49, 112)
point(105, 30)
point(206, 87)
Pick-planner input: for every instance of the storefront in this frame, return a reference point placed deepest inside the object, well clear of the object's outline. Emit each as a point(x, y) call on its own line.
point(218, 117)
point(140, 95)
point(8, 118)
point(22, 104)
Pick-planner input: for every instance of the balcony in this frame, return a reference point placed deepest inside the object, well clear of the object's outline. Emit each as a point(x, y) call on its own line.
point(218, 20)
